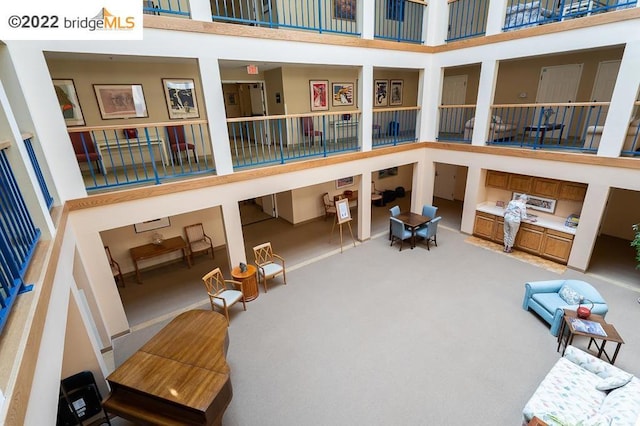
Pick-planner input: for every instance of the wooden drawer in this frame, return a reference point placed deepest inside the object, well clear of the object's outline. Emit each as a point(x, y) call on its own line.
point(497, 179)
point(572, 191)
point(545, 187)
point(520, 183)
point(483, 226)
point(557, 245)
point(498, 230)
point(530, 238)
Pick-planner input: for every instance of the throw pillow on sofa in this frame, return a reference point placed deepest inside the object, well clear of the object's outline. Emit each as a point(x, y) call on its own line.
point(569, 295)
point(614, 382)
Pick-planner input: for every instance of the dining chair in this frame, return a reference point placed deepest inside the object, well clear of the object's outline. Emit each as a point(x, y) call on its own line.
point(197, 240)
point(85, 149)
point(329, 207)
point(429, 232)
point(399, 232)
point(221, 295)
point(269, 264)
point(115, 267)
point(429, 211)
point(178, 144)
point(394, 212)
point(309, 131)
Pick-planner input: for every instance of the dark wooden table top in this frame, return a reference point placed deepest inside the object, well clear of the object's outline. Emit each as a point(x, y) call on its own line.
point(152, 250)
point(612, 333)
point(413, 220)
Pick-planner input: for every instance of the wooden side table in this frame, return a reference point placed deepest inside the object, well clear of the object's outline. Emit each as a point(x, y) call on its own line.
point(249, 281)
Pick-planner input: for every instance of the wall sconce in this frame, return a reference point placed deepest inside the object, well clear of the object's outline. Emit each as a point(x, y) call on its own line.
point(522, 95)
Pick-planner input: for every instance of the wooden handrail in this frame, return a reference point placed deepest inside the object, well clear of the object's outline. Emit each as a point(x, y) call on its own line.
point(5, 144)
point(456, 106)
point(408, 108)
point(285, 116)
point(552, 104)
point(134, 125)
point(26, 135)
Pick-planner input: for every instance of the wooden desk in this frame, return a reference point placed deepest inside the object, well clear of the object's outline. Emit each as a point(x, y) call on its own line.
point(352, 198)
point(413, 221)
point(151, 250)
point(249, 281)
point(179, 377)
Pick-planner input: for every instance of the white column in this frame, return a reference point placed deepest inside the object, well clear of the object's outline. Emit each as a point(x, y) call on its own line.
point(622, 100)
point(364, 207)
point(366, 18)
point(595, 202)
point(365, 101)
point(475, 191)
point(234, 237)
point(486, 90)
point(201, 10)
point(429, 94)
point(437, 23)
point(48, 123)
point(496, 15)
point(213, 98)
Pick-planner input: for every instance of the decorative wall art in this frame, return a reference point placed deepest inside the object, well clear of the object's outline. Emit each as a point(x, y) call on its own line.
point(395, 97)
point(344, 182)
point(319, 95)
point(344, 212)
point(149, 225)
point(344, 9)
point(380, 89)
point(392, 171)
point(68, 100)
point(120, 100)
point(181, 98)
point(342, 94)
point(534, 202)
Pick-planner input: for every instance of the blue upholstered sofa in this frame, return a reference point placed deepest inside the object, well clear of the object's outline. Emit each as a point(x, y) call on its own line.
point(549, 298)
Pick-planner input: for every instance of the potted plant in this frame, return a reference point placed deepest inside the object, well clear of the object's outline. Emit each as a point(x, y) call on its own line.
point(636, 243)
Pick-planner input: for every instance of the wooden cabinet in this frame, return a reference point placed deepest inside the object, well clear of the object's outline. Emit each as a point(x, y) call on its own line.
point(520, 183)
point(484, 224)
point(557, 245)
point(572, 191)
point(530, 238)
point(497, 179)
point(545, 187)
point(544, 242)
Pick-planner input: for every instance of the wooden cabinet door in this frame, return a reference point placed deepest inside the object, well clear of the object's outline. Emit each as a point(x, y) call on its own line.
point(572, 191)
point(520, 183)
point(545, 187)
point(530, 238)
point(483, 226)
point(498, 230)
point(497, 179)
point(557, 245)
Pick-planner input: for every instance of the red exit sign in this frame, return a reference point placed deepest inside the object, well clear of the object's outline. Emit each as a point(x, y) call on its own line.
point(252, 69)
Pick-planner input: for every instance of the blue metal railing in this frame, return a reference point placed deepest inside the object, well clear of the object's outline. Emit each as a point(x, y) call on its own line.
point(399, 20)
point(560, 126)
point(392, 126)
point(38, 171)
point(257, 141)
point(118, 156)
point(337, 17)
point(521, 14)
point(456, 123)
point(18, 239)
point(467, 18)
point(173, 8)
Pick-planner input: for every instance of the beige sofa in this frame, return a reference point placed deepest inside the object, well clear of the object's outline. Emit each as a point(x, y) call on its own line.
point(594, 134)
point(498, 131)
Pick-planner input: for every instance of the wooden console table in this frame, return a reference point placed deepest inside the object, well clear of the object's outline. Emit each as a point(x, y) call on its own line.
point(249, 281)
point(179, 377)
point(151, 250)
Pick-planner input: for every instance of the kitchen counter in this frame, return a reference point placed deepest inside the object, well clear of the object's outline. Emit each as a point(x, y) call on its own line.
point(544, 220)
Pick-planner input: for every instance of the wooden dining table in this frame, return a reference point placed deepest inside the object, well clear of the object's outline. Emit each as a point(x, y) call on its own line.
point(413, 221)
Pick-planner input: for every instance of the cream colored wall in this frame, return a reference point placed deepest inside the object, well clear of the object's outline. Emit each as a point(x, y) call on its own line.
point(285, 206)
point(273, 85)
point(410, 83)
point(473, 80)
point(86, 73)
point(240, 74)
point(621, 213)
point(515, 77)
point(563, 207)
point(296, 85)
point(120, 240)
point(461, 183)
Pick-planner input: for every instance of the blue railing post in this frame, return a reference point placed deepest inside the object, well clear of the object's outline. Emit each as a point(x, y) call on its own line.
point(152, 157)
point(48, 199)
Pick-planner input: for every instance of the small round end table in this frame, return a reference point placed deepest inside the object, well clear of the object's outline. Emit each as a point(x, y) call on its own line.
point(249, 281)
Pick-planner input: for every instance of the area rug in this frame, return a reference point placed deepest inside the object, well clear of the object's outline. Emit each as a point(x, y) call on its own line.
point(519, 255)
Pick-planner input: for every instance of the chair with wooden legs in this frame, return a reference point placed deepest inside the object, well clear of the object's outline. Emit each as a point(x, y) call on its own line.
point(269, 264)
point(221, 294)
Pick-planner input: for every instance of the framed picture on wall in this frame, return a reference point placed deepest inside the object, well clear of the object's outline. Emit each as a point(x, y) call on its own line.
point(342, 94)
point(120, 101)
point(181, 98)
point(149, 225)
point(392, 171)
point(380, 91)
point(68, 101)
point(319, 93)
point(344, 9)
point(547, 205)
point(344, 182)
point(395, 97)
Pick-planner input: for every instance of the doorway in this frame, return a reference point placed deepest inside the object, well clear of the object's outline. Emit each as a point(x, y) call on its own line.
point(258, 209)
point(448, 193)
point(603, 87)
point(454, 92)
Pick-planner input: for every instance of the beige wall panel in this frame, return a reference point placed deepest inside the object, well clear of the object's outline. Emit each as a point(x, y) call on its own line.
point(473, 80)
point(296, 86)
point(621, 213)
point(410, 85)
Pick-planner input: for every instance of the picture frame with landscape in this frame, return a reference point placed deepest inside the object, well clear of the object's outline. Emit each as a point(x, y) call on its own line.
point(344, 182)
point(181, 100)
point(120, 101)
point(68, 101)
point(547, 205)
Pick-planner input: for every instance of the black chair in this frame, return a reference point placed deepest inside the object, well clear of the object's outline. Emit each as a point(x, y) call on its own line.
point(80, 400)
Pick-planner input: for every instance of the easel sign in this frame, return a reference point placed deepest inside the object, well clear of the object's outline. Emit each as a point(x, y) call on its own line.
point(344, 213)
